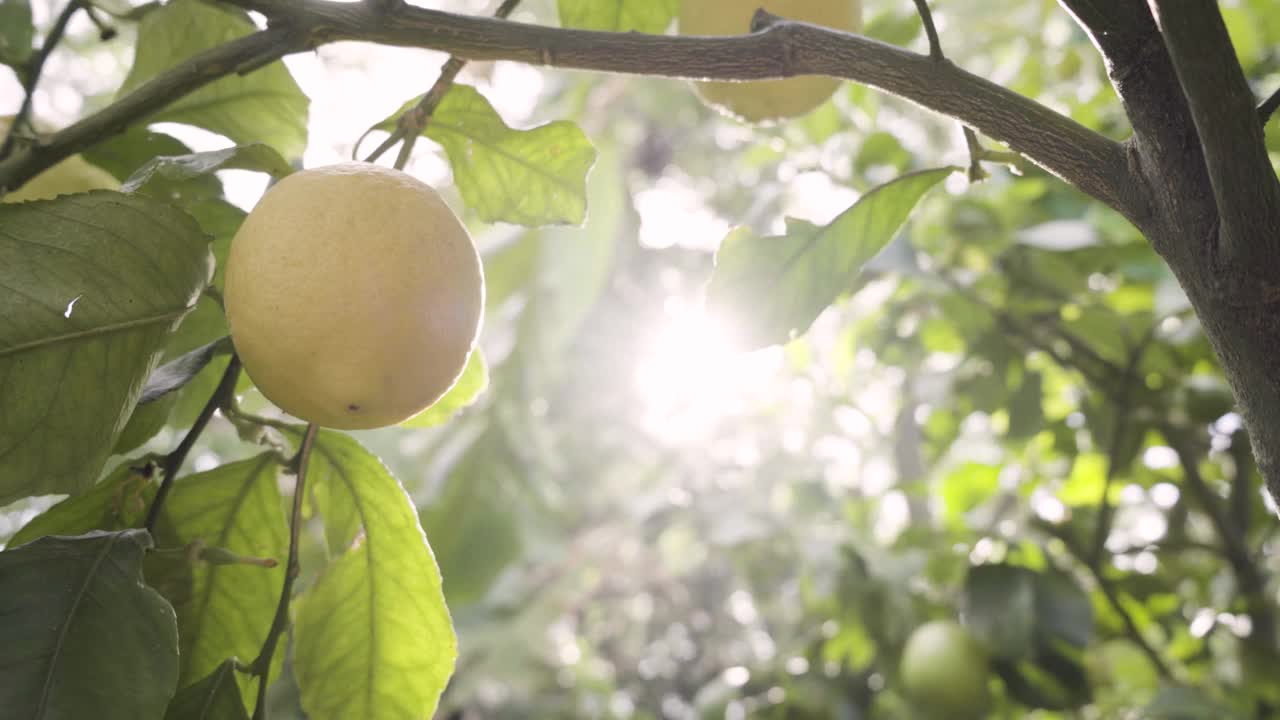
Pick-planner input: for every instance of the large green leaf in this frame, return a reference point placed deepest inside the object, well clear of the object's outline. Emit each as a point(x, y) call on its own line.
point(118, 502)
point(373, 638)
point(646, 16)
point(771, 289)
point(82, 636)
point(215, 697)
point(525, 177)
point(469, 386)
point(16, 32)
point(265, 105)
point(225, 610)
point(90, 287)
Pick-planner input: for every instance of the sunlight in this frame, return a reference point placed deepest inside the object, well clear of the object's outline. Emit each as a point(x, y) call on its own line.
point(690, 380)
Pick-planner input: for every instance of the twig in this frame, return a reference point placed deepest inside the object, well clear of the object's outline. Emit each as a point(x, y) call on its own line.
point(35, 69)
point(935, 45)
point(414, 121)
point(1113, 599)
point(1268, 107)
point(1121, 410)
point(262, 664)
point(174, 460)
point(1250, 577)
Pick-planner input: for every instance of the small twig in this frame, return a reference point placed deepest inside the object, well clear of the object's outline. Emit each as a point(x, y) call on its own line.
point(174, 460)
point(1268, 107)
point(1113, 599)
point(1121, 410)
point(105, 31)
point(414, 121)
point(261, 666)
point(35, 69)
point(935, 45)
point(976, 155)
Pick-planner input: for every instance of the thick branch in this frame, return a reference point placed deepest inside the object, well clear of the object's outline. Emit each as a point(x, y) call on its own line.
point(1078, 155)
point(1245, 190)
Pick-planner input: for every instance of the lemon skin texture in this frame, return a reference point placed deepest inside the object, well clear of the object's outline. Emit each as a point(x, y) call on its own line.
point(767, 100)
point(354, 295)
point(73, 175)
point(944, 672)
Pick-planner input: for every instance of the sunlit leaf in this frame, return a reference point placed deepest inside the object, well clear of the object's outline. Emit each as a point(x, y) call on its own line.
point(266, 105)
point(90, 287)
point(215, 697)
point(467, 389)
point(83, 637)
point(373, 637)
point(771, 289)
point(225, 610)
point(525, 177)
point(118, 502)
point(646, 16)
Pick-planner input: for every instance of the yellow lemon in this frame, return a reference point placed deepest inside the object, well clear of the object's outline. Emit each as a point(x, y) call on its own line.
point(354, 295)
point(764, 100)
point(73, 175)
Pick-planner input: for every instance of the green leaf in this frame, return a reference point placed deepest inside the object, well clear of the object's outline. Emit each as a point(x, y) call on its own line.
point(83, 637)
point(177, 373)
point(16, 33)
point(771, 289)
point(266, 105)
point(215, 697)
point(193, 166)
point(372, 638)
point(968, 486)
point(224, 610)
point(999, 609)
point(646, 16)
point(1184, 703)
point(122, 155)
point(525, 177)
point(117, 503)
point(465, 391)
point(90, 287)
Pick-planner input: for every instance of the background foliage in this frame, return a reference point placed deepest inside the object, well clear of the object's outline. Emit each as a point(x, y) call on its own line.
point(1010, 416)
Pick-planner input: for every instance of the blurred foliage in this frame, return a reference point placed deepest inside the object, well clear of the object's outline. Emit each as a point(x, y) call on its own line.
point(1009, 417)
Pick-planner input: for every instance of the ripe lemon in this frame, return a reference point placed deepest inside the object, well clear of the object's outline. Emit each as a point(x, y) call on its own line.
point(944, 671)
point(354, 295)
point(73, 175)
point(764, 100)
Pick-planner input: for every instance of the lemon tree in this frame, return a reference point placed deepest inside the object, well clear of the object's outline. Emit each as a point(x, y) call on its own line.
point(639, 358)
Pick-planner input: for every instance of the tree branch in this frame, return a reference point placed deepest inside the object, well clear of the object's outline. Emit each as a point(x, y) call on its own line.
point(782, 48)
point(173, 461)
point(241, 55)
point(34, 71)
point(1245, 189)
point(1268, 107)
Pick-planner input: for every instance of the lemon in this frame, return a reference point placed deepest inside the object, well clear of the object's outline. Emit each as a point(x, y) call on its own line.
point(764, 100)
point(944, 671)
point(73, 175)
point(354, 295)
